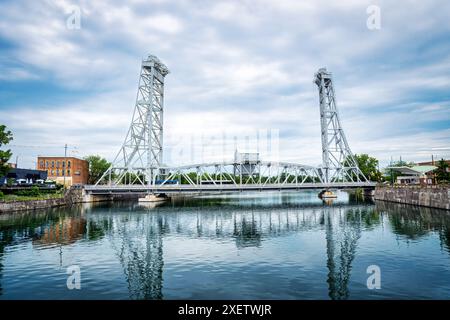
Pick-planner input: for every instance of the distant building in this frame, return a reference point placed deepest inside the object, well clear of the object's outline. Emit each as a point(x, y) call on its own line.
point(70, 169)
point(24, 174)
point(434, 163)
point(12, 165)
point(422, 175)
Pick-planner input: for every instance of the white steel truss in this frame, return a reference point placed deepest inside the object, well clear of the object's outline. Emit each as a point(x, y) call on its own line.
point(141, 155)
point(338, 162)
point(140, 159)
point(224, 174)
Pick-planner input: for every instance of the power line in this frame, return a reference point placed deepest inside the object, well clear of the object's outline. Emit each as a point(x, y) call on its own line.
point(35, 146)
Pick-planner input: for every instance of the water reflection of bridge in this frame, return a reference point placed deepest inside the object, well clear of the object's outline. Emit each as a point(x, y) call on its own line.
point(249, 226)
point(139, 241)
point(137, 233)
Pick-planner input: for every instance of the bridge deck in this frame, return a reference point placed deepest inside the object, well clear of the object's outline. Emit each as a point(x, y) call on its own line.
point(186, 188)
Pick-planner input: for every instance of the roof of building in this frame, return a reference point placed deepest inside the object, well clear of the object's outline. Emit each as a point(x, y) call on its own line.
point(60, 157)
point(415, 170)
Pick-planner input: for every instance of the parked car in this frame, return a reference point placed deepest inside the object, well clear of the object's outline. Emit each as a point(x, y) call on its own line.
point(50, 184)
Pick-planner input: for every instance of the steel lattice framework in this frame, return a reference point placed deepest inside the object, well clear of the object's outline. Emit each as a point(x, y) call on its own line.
point(141, 155)
point(338, 162)
point(139, 163)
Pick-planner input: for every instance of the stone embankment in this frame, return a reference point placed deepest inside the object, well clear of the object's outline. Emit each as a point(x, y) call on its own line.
point(73, 195)
point(426, 196)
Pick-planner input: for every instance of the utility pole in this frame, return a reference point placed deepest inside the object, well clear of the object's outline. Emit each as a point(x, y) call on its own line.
point(392, 173)
point(65, 165)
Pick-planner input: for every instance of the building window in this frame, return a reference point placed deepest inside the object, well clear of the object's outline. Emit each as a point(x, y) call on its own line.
point(68, 164)
point(64, 164)
point(57, 172)
point(68, 172)
point(41, 164)
point(46, 164)
point(53, 164)
point(57, 164)
point(53, 173)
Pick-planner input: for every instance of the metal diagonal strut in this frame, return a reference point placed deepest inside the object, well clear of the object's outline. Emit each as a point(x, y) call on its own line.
point(338, 161)
point(140, 158)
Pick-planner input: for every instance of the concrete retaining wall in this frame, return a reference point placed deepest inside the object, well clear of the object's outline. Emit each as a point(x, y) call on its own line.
point(429, 196)
point(72, 196)
point(13, 206)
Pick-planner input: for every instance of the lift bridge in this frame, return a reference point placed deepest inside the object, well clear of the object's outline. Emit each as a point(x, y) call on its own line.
point(138, 166)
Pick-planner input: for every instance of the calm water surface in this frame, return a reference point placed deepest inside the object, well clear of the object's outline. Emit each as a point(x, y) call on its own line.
point(243, 246)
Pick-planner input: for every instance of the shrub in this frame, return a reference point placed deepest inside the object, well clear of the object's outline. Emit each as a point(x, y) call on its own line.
point(33, 192)
point(1, 194)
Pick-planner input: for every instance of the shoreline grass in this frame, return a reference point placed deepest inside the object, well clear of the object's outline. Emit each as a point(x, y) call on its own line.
point(13, 197)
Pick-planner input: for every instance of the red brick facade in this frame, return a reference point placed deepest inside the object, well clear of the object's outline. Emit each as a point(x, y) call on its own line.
point(76, 170)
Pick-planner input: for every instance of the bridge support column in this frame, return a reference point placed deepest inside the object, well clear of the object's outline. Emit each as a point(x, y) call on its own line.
point(154, 198)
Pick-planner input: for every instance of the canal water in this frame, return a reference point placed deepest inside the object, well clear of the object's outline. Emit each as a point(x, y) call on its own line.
point(237, 246)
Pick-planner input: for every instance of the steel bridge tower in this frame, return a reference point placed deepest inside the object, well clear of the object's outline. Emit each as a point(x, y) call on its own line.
point(140, 158)
point(338, 162)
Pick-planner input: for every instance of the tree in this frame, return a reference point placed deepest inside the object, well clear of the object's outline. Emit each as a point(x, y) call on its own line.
point(5, 138)
point(97, 167)
point(442, 173)
point(368, 166)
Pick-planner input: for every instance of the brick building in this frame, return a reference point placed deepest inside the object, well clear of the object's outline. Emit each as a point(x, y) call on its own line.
point(76, 171)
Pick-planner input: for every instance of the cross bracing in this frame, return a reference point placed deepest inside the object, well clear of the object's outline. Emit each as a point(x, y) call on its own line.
point(140, 159)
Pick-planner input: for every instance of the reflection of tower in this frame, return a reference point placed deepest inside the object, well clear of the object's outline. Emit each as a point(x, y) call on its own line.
point(343, 229)
point(246, 232)
point(141, 255)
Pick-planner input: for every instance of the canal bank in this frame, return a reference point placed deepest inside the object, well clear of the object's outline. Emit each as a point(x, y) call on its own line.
point(426, 196)
point(72, 196)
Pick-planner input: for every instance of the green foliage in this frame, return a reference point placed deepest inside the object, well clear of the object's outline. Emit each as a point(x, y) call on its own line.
point(5, 155)
point(97, 167)
point(33, 192)
point(442, 173)
point(1, 194)
point(368, 166)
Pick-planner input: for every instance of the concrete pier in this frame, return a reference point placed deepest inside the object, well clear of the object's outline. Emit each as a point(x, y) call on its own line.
point(154, 198)
point(327, 194)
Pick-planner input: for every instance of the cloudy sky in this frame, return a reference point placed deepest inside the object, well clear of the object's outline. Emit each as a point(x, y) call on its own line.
point(239, 69)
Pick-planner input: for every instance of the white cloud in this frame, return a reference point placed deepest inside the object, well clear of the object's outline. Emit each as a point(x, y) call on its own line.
point(236, 66)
